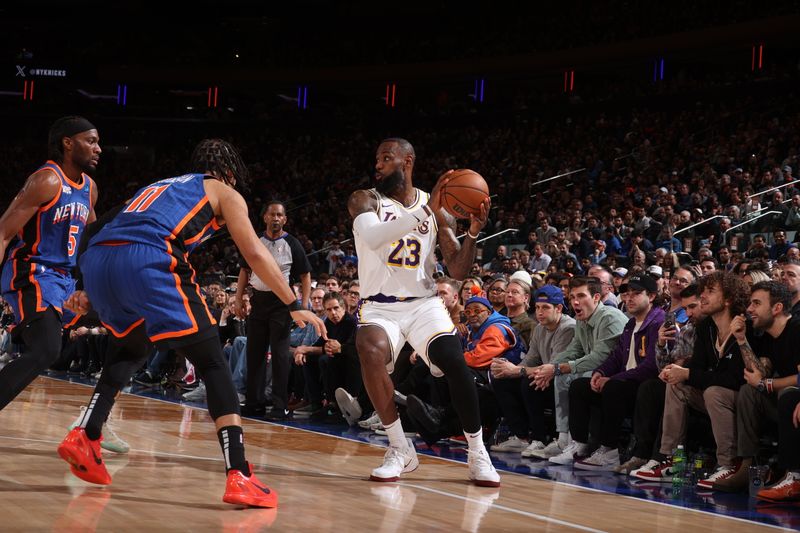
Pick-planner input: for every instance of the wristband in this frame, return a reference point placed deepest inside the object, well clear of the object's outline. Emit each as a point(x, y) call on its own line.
point(770, 387)
point(295, 306)
point(556, 369)
point(474, 237)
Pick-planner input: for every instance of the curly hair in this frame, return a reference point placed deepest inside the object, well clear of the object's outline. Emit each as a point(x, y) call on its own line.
point(734, 289)
point(220, 158)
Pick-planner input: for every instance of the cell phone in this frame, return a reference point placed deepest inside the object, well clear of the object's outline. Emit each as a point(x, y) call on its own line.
point(669, 321)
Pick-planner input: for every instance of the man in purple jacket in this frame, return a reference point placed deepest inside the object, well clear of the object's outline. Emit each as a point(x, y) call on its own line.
point(613, 384)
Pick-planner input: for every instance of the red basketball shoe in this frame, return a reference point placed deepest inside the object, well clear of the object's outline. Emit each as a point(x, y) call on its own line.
point(248, 490)
point(84, 457)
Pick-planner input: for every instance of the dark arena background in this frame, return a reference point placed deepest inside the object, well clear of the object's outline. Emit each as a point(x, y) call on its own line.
point(656, 139)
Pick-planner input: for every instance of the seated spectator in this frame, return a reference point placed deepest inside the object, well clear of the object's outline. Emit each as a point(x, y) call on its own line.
point(770, 367)
point(614, 383)
point(539, 259)
point(352, 296)
point(496, 293)
point(605, 275)
point(780, 247)
point(675, 345)
point(790, 276)
point(306, 336)
point(447, 289)
point(521, 404)
point(713, 376)
point(518, 296)
point(596, 332)
point(333, 363)
point(490, 336)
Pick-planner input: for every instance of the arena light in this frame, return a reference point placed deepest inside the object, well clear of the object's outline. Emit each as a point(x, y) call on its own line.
point(122, 95)
point(27, 90)
point(302, 97)
point(213, 95)
point(757, 57)
point(391, 94)
point(477, 94)
point(569, 81)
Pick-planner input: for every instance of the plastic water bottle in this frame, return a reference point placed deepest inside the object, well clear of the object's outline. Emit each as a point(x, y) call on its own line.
point(678, 466)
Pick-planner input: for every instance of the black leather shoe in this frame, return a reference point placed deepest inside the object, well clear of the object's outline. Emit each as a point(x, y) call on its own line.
point(427, 416)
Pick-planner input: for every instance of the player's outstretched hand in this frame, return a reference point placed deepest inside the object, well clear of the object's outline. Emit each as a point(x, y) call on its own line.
point(304, 316)
point(435, 201)
point(476, 223)
point(78, 302)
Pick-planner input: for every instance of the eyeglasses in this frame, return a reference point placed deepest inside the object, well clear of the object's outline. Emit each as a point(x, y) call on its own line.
point(478, 311)
point(497, 290)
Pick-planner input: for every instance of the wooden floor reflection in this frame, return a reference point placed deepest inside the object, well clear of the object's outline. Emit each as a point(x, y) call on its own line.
point(172, 480)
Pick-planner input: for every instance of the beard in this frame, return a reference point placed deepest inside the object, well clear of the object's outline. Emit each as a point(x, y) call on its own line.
point(391, 183)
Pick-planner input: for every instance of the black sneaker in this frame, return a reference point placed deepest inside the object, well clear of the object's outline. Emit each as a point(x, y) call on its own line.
point(278, 415)
point(424, 415)
point(147, 379)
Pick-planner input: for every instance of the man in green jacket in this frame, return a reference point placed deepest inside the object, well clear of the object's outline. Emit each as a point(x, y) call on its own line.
point(596, 332)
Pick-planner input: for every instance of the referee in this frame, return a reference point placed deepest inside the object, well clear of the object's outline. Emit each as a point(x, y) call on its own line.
point(269, 323)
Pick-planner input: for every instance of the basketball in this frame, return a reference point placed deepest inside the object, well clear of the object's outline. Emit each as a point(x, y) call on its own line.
point(463, 194)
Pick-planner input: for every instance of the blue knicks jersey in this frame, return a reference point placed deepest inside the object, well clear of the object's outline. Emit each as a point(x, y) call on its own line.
point(172, 214)
point(51, 237)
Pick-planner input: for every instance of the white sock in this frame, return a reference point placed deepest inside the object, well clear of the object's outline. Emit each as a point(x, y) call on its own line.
point(396, 435)
point(475, 440)
point(563, 440)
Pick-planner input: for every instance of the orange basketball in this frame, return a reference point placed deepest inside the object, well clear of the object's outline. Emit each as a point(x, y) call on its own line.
point(464, 193)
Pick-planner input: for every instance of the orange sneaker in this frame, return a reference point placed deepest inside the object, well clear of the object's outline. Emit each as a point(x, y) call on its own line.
point(84, 457)
point(248, 490)
point(786, 490)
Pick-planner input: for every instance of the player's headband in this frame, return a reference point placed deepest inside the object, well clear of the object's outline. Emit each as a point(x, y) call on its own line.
point(76, 125)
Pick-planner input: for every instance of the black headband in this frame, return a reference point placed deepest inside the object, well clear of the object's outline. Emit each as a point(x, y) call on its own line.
point(75, 125)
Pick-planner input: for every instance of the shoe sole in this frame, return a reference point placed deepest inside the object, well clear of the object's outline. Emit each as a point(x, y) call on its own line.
point(236, 499)
point(350, 409)
point(485, 483)
point(595, 468)
point(791, 499)
point(654, 479)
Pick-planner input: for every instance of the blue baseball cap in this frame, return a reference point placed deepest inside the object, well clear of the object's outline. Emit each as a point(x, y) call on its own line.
point(480, 300)
point(549, 294)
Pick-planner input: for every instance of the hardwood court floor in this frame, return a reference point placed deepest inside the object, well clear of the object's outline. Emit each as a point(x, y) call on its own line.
point(172, 480)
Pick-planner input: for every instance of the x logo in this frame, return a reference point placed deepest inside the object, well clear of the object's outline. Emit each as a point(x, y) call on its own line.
point(20, 71)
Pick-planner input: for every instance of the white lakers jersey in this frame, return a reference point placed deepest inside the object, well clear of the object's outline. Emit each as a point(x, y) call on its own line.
point(402, 268)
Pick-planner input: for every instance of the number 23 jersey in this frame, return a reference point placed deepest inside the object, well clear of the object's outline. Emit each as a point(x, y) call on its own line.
point(403, 268)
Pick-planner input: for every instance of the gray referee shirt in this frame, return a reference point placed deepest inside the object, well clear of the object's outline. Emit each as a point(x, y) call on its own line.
point(290, 256)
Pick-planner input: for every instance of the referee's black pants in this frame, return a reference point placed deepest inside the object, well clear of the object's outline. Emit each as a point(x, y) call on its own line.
point(268, 326)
